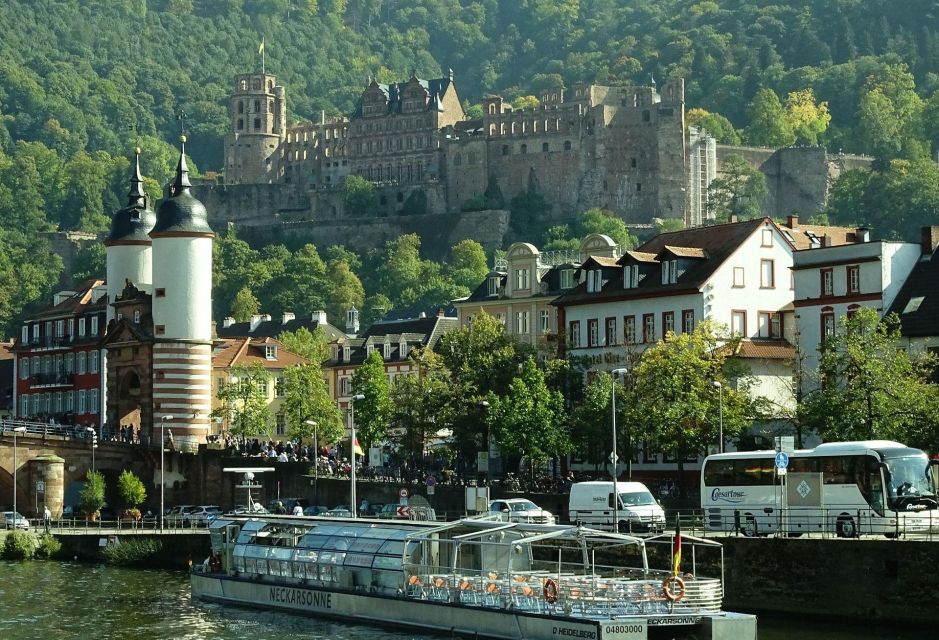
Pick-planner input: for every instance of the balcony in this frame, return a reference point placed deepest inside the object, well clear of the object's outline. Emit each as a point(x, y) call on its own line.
point(48, 343)
point(52, 380)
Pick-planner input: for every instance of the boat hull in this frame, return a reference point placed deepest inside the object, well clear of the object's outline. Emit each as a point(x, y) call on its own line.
point(452, 618)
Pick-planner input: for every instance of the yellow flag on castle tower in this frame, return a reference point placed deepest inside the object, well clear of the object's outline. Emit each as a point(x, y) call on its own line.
point(261, 48)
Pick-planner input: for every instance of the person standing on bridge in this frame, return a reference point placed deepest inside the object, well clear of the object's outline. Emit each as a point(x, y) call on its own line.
point(46, 518)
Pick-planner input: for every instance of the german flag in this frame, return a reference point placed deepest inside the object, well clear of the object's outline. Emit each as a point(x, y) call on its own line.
point(676, 548)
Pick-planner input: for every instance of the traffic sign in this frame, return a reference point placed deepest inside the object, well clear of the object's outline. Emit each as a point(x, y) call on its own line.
point(782, 460)
point(613, 457)
point(430, 481)
point(404, 512)
point(403, 493)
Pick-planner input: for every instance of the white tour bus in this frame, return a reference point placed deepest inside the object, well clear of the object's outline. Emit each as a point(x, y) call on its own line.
point(848, 488)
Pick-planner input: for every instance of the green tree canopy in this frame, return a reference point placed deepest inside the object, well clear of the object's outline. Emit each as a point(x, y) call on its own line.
point(739, 191)
point(307, 397)
point(243, 402)
point(769, 126)
point(131, 489)
point(373, 412)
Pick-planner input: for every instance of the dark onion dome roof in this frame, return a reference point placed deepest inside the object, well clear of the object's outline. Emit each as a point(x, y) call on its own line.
point(134, 222)
point(181, 212)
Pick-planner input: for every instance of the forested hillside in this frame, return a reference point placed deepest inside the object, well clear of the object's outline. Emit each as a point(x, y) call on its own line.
point(82, 81)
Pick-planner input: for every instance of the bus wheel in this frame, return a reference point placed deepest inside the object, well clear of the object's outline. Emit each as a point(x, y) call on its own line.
point(845, 527)
point(749, 527)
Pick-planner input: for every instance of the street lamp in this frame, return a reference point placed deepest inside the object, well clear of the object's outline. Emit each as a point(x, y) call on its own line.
point(16, 430)
point(355, 505)
point(484, 405)
point(94, 445)
point(316, 460)
point(163, 421)
point(613, 457)
point(720, 409)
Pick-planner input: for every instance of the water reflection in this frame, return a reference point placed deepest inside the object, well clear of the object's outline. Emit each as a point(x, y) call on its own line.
point(63, 600)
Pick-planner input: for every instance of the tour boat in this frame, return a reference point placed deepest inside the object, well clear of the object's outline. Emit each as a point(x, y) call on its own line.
point(475, 577)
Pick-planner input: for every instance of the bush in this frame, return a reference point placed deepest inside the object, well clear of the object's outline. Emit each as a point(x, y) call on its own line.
point(91, 498)
point(19, 545)
point(131, 552)
point(48, 546)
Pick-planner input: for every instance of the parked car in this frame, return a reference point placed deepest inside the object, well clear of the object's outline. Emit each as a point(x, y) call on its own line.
point(520, 510)
point(201, 515)
point(638, 511)
point(176, 515)
point(315, 510)
point(390, 512)
point(338, 512)
point(13, 520)
point(244, 511)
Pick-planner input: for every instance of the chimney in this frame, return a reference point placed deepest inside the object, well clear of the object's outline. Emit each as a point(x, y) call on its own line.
point(732, 218)
point(227, 322)
point(862, 234)
point(441, 313)
point(255, 321)
point(352, 321)
point(929, 240)
point(319, 317)
point(826, 240)
point(287, 317)
point(422, 315)
point(792, 221)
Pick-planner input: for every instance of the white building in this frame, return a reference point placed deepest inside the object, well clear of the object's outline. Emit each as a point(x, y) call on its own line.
point(917, 303)
point(832, 282)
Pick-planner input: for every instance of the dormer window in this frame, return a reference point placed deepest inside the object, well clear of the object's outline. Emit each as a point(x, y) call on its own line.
point(403, 349)
point(670, 272)
point(631, 276)
point(493, 285)
point(522, 279)
point(594, 281)
point(567, 278)
point(270, 351)
point(387, 351)
point(368, 349)
point(346, 354)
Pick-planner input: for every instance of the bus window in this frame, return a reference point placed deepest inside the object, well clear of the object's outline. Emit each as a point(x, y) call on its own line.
point(838, 469)
point(719, 473)
point(753, 472)
point(803, 465)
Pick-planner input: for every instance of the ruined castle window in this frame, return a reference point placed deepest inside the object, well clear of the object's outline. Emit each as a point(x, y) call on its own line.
point(256, 84)
point(545, 125)
point(632, 163)
point(388, 172)
point(270, 106)
point(257, 106)
point(420, 171)
point(420, 142)
point(471, 157)
point(160, 329)
point(161, 292)
point(505, 149)
point(326, 151)
point(502, 129)
point(513, 127)
point(378, 146)
point(638, 187)
point(379, 173)
point(457, 160)
point(241, 106)
point(545, 147)
point(257, 123)
point(241, 124)
point(524, 127)
point(492, 108)
point(605, 186)
point(383, 200)
point(523, 149)
point(399, 144)
point(492, 129)
point(646, 116)
point(410, 142)
point(400, 196)
point(243, 85)
point(567, 145)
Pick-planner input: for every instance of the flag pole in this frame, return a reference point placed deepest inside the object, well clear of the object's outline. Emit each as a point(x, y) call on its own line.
point(261, 51)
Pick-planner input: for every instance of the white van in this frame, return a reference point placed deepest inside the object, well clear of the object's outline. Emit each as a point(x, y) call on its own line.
point(591, 503)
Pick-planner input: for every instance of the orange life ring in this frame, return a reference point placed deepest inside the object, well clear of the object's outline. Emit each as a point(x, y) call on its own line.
point(550, 591)
point(679, 588)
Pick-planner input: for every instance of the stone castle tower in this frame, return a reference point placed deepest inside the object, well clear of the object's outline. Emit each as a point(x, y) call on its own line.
point(258, 112)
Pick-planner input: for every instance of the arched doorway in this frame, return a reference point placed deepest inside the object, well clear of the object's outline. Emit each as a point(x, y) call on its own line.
point(128, 402)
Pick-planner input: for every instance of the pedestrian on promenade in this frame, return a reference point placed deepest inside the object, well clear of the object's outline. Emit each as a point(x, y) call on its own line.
point(46, 518)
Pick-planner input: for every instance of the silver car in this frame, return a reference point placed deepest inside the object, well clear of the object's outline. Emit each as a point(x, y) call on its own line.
point(13, 520)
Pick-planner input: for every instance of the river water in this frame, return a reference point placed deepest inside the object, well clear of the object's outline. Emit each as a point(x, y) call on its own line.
point(63, 600)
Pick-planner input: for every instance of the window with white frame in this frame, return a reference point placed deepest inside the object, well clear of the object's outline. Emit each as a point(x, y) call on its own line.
point(270, 352)
point(59, 328)
point(35, 368)
point(631, 276)
point(70, 401)
point(767, 238)
point(610, 331)
point(345, 385)
point(493, 285)
point(593, 333)
point(573, 334)
point(543, 321)
point(94, 325)
point(24, 335)
point(738, 323)
point(24, 368)
point(81, 327)
point(567, 278)
point(522, 323)
point(854, 279)
point(402, 350)
point(738, 277)
point(93, 401)
point(648, 328)
point(69, 363)
point(668, 322)
point(71, 327)
point(629, 329)
point(92, 362)
point(827, 282)
point(279, 386)
point(36, 331)
point(82, 401)
point(34, 404)
point(24, 406)
point(136, 316)
point(280, 424)
point(346, 353)
point(687, 321)
point(59, 402)
point(81, 362)
point(386, 351)
point(522, 279)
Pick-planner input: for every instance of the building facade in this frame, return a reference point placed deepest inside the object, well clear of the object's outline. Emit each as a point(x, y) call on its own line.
point(58, 362)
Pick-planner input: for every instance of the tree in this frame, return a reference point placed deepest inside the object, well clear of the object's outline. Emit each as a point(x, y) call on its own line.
point(890, 116)
point(600, 221)
point(419, 402)
point(530, 419)
point(91, 498)
point(807, 119)
point(307, 397)
point(591, 420)
point(768, 126)
point(132, 492)
point(715, 124)
point(245, 305)
point(312, 345)
point(359, 196)
point(738, 191)
point(346, 290)
point(244, 401)
point(481, 356)
point(872, 389)
point(373, 412)
point(672, 400)
point(468, 265)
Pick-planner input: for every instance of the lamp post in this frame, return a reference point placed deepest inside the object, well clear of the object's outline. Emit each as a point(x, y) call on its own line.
point(355, 505)
point(163, 421)
point(94, 445)
point(613, 457)
point(720, 410)
point(16, 430)
point(316, 461)
point(484, 406)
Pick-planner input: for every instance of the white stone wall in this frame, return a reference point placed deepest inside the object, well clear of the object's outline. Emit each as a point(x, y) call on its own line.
point(132, 262)
point(183, 270)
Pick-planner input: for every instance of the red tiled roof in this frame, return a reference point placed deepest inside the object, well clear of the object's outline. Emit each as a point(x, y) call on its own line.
point(242, 352)
point(684, 252)
point(766, 349)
